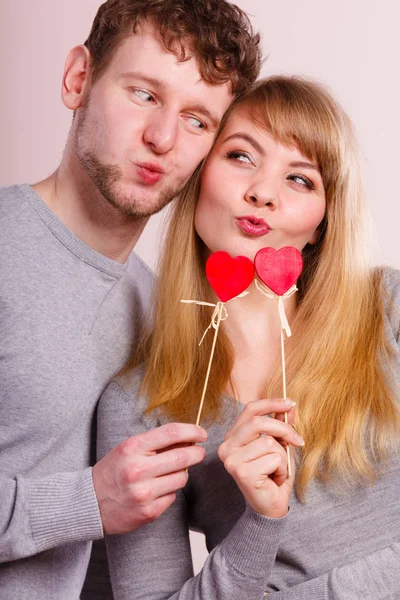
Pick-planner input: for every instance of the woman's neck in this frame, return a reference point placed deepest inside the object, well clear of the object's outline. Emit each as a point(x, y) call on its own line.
point(254, 330)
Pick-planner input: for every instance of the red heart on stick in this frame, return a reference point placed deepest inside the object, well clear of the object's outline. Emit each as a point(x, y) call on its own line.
point(229, 276)
point(279, 269)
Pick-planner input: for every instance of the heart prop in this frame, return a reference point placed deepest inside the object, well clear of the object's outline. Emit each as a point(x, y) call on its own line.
point(229, 276)
point(279, 269)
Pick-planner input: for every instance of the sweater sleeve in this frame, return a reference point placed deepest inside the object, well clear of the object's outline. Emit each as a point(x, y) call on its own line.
point(38, 514)
point(375, 577)
point(154, 562)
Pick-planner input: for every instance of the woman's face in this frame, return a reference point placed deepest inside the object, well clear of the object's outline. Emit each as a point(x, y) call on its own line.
point(255, 192)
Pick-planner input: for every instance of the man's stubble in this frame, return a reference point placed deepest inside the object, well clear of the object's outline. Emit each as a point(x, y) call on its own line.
point(107, 178)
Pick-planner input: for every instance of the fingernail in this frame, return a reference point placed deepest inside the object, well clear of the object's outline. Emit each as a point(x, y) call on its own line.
point(300, 440)
point(204, 433)
point(290, 402)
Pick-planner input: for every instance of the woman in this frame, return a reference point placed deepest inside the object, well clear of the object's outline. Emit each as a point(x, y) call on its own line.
point(283, 171)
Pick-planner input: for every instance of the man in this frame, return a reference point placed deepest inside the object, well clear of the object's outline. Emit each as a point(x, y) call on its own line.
point(148, 90)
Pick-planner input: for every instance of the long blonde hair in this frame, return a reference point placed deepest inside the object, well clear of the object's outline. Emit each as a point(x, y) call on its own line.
point(337, 358)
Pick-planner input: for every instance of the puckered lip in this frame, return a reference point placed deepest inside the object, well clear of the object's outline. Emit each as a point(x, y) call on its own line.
point(254, 220)
point(151, 167)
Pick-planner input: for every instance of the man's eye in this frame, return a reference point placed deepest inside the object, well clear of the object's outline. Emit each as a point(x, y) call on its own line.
point(302, 180)
point(239, 156)
point(143, 95)
point(195, 122)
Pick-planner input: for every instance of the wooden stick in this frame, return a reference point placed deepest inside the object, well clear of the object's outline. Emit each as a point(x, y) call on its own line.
point(220, 309)
point(284, 395)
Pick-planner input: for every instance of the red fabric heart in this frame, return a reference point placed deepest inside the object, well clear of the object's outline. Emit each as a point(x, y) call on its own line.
point(279, 269)
point(229, 276)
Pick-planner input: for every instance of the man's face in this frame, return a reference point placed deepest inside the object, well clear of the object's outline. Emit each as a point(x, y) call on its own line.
point(148, 122)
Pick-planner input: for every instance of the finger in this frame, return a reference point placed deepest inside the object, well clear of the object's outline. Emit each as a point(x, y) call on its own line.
point(292, 467)
point(255, 474)
point(289, 478)
point(155, 509)
point(145, 493)
point(168, 435)
point(163, 503)
point(258, 448)
point(273, 466)
point(171, 483)
point(290, 416)
point(257, 425)
point(171, 461)
point(261, 408)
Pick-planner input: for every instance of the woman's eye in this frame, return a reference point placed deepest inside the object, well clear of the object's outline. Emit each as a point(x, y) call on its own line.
point(240, 157)
point(302, 180)
point(143, 95)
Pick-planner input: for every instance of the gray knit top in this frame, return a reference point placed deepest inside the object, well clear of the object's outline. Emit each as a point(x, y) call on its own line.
point(343, 543)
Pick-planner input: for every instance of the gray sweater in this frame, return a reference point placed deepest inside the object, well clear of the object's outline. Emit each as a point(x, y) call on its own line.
point(68, 317)
point(343, 544)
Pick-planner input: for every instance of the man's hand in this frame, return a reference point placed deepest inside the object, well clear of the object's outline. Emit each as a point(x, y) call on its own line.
point(136, 482)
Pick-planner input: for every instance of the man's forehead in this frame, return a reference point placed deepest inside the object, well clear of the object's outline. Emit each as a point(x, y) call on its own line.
point(146, 53)
point(147, 48)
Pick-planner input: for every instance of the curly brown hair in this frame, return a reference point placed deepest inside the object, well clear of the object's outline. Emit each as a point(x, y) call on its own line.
point(218, 34)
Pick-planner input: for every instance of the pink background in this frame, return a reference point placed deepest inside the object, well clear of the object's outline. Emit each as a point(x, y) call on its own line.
point(354, 47)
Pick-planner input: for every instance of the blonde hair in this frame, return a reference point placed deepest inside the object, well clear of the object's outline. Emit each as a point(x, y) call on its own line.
point(337, 356)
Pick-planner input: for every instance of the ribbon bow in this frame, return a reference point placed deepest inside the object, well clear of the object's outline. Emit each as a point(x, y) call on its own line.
point(219, 313)
point(281, 306)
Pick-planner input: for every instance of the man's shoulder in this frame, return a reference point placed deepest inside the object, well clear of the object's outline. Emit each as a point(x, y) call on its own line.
point(137, 265)
point(140, 272)
point(12, 200)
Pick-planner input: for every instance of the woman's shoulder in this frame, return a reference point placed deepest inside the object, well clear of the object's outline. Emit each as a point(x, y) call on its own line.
point(126, 386)
point(391, 300)
point(391, 281)
point(124, 401)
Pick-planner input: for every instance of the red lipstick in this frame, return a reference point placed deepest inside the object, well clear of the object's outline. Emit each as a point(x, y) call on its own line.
point(253, 226)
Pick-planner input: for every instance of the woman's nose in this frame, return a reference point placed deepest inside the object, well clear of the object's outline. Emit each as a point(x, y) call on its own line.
point(259, 199)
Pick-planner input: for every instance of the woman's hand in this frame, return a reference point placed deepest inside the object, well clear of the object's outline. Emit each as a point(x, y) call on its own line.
point(254, 453)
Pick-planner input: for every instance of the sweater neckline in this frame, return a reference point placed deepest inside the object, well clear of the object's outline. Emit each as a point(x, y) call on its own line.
point(69, 239)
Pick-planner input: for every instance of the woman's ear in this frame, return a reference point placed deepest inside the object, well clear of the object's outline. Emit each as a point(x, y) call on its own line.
point(314, 239)
point(76, 78)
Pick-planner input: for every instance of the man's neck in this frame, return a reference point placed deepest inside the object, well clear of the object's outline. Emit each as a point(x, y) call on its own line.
point(72, 197)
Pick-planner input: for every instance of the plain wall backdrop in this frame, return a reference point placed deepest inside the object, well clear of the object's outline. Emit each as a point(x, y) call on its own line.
point(351, 45)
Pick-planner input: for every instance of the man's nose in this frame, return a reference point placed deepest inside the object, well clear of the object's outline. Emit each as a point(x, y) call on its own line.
point(161, 131)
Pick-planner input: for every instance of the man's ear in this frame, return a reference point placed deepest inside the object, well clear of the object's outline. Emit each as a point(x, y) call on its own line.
point(76, 78)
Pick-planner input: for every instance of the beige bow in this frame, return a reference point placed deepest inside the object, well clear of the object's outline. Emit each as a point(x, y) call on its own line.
point(281, 306)
point(220, 307)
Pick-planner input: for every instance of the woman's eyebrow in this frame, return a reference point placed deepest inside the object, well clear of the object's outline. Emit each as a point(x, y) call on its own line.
point(304, 165)
point(247, 138)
